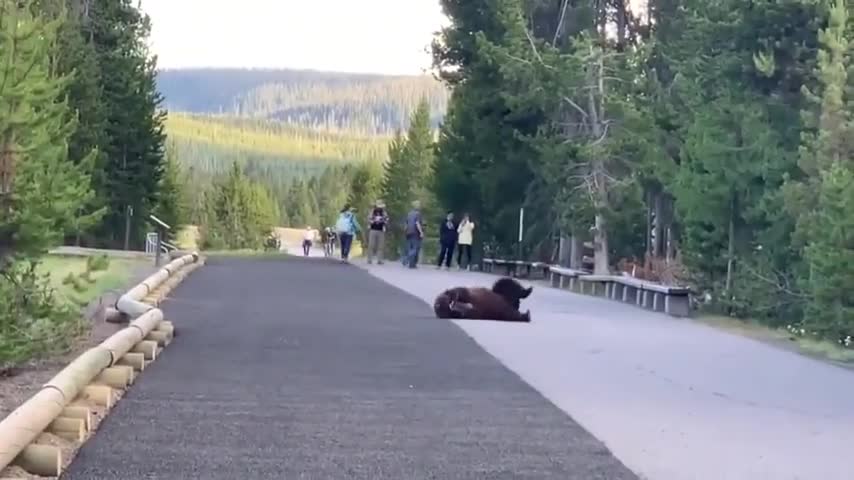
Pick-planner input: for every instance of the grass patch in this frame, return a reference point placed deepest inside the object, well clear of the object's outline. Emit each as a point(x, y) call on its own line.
point(188, 238)
point(79, 280)
point(821, 349)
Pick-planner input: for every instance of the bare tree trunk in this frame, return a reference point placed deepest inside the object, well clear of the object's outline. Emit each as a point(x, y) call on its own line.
point(7, 180)
point(622, 21)
point(564, 251)
point(601, 262)
point(731, 247)
point(658, 225)
point(599, 177)
point(7, 163)
point(576, 252)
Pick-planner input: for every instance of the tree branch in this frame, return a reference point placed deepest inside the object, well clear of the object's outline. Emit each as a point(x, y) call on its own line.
point(560, 22)
point(575, 105)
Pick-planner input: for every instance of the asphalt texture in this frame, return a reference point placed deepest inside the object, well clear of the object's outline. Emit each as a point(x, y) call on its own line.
point(671, 398)
point(305, 368)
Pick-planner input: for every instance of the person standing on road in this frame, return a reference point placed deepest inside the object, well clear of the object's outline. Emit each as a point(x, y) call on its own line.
point(333, 240)
point(414, 234)
point(447, 241)
point(378, 221)
point(324, 240)
point(464, 241)
point(347, 227)
point(307, 240)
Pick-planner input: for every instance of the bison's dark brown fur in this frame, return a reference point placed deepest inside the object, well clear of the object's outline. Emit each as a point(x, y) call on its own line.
point(478, 303)
point(511, 290)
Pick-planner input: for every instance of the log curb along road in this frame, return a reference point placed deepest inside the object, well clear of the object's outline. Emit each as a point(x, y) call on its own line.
point(95, 379)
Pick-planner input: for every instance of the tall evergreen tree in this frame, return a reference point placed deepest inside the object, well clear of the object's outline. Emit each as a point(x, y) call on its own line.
point(419, 152)
point(366, 186)
point(132, 164)
point(240, 213)
point(482, 165)
point(409, 175)
point(824, 198)
point(172, 202)
point(42, 190)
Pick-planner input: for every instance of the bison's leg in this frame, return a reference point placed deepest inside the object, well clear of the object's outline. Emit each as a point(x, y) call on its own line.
point(452, 303)
point(509, 314)
point(462, 309)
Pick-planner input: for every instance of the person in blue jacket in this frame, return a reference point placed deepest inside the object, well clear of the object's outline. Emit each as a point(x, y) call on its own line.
point(347, 227)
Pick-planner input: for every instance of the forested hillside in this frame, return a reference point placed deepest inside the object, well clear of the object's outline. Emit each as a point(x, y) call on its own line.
point(211, 144)
point(283, 127)
point(357, 103)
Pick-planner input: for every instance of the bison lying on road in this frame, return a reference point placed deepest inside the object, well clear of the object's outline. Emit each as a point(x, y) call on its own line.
point(479, 303)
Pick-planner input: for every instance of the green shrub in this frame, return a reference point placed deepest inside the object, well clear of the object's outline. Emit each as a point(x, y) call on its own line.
point(32, 321)
point(98, 263)
point(86, 277)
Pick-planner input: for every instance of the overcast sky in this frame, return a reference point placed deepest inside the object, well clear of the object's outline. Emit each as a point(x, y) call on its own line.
point(378, 36)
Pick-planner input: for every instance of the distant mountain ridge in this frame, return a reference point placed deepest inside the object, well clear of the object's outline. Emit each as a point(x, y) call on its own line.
point(364, 104)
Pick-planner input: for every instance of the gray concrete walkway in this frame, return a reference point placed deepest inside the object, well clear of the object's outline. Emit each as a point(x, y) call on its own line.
point(672, 399)
point(312, 369)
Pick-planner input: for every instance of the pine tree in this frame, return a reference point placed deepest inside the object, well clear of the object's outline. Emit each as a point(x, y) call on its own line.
point(42, 189)
point(825, 197)
point(132, 165)
point(366, 186)
point(172, 204)
point(409, 174)
point(482, 164)
point(240, 213)
point(421, 157)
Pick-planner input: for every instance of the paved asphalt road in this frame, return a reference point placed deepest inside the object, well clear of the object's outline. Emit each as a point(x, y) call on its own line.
point(671, 398)
point(311, 369)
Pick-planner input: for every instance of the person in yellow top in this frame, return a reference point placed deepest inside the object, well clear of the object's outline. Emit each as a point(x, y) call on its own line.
point(465, 237)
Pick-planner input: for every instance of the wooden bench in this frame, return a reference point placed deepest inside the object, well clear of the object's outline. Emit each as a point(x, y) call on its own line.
point(649, 295)
point(513, 266)
point(652, 296)
point(597, 285)
point(561, 277)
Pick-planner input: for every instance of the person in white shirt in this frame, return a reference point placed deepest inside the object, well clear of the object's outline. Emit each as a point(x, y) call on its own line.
point(307, 240)
point(465, 237)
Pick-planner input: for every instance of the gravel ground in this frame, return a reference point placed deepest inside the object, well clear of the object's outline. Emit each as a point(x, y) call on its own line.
point(299, 368)
point(673, 399)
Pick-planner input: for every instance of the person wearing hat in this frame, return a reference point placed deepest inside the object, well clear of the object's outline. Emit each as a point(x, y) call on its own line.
point(377, 221)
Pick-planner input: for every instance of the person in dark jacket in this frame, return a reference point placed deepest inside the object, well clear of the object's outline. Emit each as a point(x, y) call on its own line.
point(377, 224)
point(447, 241)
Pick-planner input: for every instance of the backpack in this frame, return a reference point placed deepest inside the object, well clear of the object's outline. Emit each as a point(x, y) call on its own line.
point(344, 223)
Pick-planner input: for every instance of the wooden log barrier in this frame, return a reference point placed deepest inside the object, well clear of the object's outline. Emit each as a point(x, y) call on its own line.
point(99, 394)
point(133, 360)
point(73, 429)
point(147, 348)
point(42, 460)
point(83, 413)
point(116, 377)
point(62, 405)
